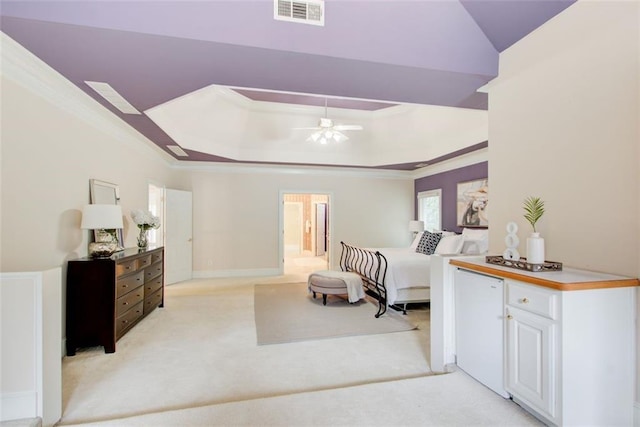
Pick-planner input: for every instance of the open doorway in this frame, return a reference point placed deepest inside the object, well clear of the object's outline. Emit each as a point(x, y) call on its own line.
point(305, 232)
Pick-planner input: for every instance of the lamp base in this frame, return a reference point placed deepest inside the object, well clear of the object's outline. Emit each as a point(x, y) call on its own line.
point(102, 249)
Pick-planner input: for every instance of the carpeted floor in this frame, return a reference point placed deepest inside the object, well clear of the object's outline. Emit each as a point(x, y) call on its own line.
point(196, 363)
point(288, 312)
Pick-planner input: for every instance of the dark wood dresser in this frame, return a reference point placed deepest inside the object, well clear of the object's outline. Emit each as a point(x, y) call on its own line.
point(107, 297)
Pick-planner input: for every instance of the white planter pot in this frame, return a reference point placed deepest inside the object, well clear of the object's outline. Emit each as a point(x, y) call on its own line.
point(535, 249)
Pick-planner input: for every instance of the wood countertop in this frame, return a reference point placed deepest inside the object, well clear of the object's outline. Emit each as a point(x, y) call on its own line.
point(569, 279)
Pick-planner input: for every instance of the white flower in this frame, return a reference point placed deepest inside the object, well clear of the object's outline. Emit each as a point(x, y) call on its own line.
point(145, 220)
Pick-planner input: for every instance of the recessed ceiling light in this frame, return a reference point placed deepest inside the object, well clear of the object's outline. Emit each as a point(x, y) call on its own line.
point(177, 150)
point(114, 98)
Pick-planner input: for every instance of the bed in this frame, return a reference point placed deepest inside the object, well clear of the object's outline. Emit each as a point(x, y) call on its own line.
point(400, 276)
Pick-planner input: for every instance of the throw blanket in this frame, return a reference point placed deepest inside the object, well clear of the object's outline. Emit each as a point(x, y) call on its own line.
point(352, 280)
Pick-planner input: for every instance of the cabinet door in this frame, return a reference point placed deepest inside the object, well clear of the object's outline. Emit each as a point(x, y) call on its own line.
point(531, 353)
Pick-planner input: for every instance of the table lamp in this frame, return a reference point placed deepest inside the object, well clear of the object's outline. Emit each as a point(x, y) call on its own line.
point(105, 219)
point(416, 226)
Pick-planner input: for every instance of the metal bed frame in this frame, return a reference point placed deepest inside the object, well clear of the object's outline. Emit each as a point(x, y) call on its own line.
point(371, 267)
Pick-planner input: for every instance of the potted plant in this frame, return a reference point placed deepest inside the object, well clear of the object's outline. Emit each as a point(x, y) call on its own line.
point(533, 211)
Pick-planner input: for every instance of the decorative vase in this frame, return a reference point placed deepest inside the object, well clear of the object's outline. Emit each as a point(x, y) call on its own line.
point(143, 239)
point(535, 249)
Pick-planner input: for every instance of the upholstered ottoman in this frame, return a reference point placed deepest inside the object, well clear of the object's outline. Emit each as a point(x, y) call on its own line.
point(330, 282)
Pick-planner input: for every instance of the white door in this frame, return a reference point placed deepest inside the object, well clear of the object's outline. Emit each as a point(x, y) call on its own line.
point(178, 236)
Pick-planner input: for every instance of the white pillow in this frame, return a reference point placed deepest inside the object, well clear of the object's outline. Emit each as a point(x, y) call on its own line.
point(476, 241)
point(414, 245)
point(450, 245)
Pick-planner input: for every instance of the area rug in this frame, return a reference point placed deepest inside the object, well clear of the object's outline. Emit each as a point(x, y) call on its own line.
point(287, 312)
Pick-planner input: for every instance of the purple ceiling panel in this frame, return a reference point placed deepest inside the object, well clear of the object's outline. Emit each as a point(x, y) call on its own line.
point(505, 22)
point(150, 70)
point(432, 34)
point(420, 52)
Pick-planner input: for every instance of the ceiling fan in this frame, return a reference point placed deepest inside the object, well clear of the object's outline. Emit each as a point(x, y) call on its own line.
point(327, 131)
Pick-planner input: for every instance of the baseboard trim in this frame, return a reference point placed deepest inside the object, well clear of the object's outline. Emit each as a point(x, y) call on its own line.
point(210, 274)
point(636, 414)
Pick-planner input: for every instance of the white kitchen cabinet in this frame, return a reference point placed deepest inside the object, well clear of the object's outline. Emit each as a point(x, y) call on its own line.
point(531, 350)
point(569, 344)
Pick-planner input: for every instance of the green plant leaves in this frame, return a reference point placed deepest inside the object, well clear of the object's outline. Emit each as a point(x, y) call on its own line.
point(534, 209)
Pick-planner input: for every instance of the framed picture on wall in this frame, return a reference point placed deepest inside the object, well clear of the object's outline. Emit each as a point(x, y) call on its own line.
point(472, 203)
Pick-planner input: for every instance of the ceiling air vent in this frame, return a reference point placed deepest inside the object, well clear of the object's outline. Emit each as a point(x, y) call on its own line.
point(305, 12)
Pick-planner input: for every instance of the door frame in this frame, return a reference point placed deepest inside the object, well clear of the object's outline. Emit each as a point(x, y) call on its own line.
point(330, 209)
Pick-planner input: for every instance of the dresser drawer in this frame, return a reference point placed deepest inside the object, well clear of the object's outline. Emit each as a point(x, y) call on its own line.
point(152, 301)
point(156, 256)
point(531, 298)
point(153, 285)
point(129, 283)
point(143, 262)
point(129, 300)
point(128, 319)
point(153, 271)
point(125, 267)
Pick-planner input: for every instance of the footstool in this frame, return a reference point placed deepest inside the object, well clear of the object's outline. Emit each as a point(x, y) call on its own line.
point(330, 282)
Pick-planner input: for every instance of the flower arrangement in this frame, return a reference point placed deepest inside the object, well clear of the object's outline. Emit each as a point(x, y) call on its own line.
point(145, 220)
point(534, 209)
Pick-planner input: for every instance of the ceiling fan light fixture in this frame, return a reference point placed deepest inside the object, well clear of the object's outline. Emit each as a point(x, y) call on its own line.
point(325, 136)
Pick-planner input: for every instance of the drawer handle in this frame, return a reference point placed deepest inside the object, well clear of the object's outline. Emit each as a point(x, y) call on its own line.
point(509, 316)
point(524, 300)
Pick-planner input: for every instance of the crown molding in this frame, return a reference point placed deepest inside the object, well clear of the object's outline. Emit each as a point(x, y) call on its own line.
point(250, 168)
point(464, 160)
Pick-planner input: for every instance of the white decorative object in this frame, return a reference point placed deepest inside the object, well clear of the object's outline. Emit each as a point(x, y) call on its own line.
point(512, 241)
point(535, 249)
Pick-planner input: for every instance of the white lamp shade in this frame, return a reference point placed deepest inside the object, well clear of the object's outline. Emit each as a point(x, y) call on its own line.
point(416, 226)
point(96, 217)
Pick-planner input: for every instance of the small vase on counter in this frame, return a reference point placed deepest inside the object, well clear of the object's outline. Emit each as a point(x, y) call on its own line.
point(535, 249)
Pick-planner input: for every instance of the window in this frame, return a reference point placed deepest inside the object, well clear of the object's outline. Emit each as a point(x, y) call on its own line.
point(430, 209)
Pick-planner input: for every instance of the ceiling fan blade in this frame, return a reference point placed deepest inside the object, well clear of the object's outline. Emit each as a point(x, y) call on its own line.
point(314, 128)
point(348, 127)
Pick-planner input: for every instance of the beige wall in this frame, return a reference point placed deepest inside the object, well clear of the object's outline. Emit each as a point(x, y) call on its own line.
point(49, 155)
point(236, 213)
point(563, 125)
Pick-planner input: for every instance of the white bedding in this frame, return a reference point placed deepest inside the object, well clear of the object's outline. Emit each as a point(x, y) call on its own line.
point(405, 269)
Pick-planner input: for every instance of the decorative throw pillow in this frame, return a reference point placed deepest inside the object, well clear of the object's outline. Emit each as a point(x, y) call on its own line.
point(428, 243)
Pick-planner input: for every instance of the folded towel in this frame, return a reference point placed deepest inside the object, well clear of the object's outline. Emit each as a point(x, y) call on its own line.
point(353, 281)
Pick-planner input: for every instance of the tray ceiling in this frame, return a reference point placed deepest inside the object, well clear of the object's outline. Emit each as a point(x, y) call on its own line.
point(227, 83)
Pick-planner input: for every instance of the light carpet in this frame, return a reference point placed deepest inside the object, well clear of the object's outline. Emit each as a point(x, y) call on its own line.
point(441, 400)
point(287, 312)
point(195, 362)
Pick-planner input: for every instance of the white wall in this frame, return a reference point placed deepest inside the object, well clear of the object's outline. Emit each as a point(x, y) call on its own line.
point(563, 125)
point(236, 213)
